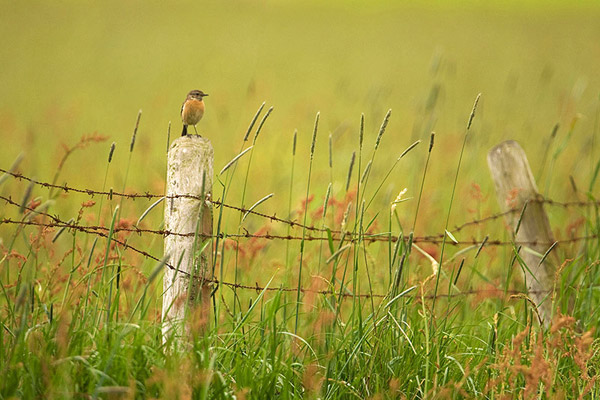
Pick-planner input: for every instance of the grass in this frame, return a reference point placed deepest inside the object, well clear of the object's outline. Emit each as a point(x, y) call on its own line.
point(336, 315)
point(344, 346)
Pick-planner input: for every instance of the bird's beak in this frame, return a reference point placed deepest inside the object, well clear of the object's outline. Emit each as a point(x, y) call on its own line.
point(205, 94)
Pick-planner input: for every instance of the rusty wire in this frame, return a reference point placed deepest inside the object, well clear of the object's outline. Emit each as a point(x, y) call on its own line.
point(258, 287)
point(103, 232)
point(65, 188)
point(274, 217)
point(267, 236)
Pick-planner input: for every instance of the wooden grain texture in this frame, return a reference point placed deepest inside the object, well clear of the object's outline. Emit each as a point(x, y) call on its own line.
point(515, 186)
point(189, 172)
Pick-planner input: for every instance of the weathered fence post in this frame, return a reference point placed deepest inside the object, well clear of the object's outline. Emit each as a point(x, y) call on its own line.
point(189, 173)
point(515, 188)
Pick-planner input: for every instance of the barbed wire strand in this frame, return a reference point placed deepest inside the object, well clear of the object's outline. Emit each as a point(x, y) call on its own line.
point(65, 188)
point(274, 217)
point(259, 288)
point(367, 238)
point(385, 236)
point(103, 232)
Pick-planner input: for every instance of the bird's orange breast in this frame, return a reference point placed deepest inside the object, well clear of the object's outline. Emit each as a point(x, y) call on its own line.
point(192, 111)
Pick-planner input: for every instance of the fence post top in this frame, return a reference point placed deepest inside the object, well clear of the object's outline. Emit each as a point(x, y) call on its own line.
point(508, 163)
point(507, 145)
point(191, 141)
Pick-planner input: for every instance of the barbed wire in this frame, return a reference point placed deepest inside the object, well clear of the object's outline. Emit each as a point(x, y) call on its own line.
point(274, 217)
point(385, 236)
point(149, 196)
point(257, 287)
point(366, 237)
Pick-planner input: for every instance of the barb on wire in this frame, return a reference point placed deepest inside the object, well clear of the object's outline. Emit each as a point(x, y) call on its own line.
point(10, 201)
point(65, 188)
point(370, 238)
point(367, 238)
point(103, 233)
point(256, 287)
point(273, 217)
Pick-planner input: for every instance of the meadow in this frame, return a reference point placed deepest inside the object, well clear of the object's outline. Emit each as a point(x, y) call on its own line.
point(338, 103)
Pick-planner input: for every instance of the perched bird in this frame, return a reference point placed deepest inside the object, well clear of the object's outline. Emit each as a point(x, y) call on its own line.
point(192, 110)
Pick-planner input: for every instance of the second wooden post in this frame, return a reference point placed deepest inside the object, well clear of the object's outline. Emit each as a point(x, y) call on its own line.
point(516, 189)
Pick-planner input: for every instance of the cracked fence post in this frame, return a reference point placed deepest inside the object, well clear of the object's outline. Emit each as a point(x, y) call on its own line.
point(515, 188)
point(189, 173)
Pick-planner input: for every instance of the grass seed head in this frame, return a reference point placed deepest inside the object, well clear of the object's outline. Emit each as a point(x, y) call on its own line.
point(111, 151)
point(253, 121)
point(135, 130)
point(352, 159)
point(384, 125)
point(314, 136)
point(473, 111)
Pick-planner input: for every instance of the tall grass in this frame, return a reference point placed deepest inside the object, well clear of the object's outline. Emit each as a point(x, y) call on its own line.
point(80, 313)
point(68, 330)
point(302, 242)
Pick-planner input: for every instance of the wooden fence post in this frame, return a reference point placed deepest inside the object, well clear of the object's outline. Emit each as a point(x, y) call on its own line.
point(515, 188)
point(189, 173)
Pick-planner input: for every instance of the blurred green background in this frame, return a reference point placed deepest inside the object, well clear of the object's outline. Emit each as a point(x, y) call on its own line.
point(71, 68)
point(75, 68)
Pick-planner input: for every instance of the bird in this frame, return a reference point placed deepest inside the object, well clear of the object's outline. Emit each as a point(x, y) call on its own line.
point(192, 110)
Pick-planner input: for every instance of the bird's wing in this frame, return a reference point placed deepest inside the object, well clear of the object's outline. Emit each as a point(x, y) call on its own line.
point(182, 105)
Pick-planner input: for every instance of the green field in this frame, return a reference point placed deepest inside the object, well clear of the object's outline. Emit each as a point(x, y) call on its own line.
point(81, 312)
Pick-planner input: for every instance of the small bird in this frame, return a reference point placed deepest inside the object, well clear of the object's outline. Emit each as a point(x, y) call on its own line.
point(192, 110)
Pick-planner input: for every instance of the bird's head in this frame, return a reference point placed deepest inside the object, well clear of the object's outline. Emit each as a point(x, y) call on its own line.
point(196, 94)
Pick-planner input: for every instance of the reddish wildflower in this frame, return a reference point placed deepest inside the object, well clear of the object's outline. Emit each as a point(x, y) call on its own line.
point(317, 283)
point(476, 192)
point(83, 143)
point(561, 321)
point(304, 204)
point(574, 227)
point(512, 197)
point(32, 205)
point(317, 214)
point(124, 223)
point(198, 320)
point(15, 254)
point(324, 319)
point(394, 385)
point(489, 291)
point(254, 245)
point(84, 205)
point(312, 381)
point(343, 206)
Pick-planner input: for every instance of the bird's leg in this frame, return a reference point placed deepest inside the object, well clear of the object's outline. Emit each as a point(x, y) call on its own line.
point(196, 130)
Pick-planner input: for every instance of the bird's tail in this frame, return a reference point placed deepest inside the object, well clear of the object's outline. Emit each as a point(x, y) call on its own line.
point(184, 131)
